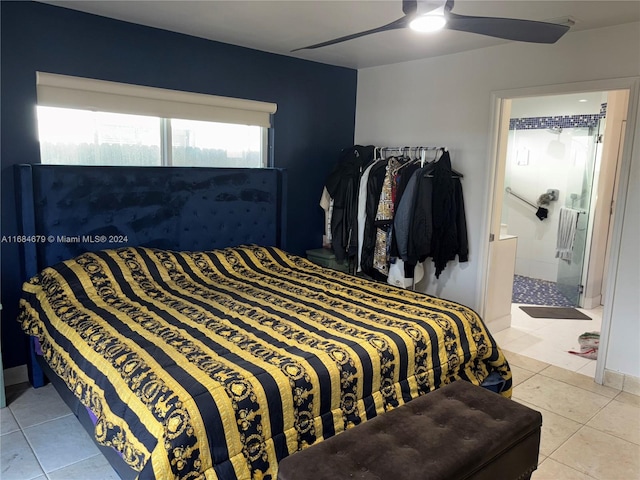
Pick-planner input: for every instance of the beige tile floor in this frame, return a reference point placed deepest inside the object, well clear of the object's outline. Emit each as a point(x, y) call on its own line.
point(589, 431)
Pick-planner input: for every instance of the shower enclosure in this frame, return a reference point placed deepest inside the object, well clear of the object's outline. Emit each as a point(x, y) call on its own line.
point(545, 154)
point(581, 185)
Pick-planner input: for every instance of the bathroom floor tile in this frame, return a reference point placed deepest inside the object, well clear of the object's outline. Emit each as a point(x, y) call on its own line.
point(589, 369)
point(521, 320)
point(503, 337)
point(528, 340)
point(549, 340)
point(555, 354)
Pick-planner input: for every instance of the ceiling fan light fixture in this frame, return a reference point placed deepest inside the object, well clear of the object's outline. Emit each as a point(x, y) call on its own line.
point(428, 23)
point(433, 15)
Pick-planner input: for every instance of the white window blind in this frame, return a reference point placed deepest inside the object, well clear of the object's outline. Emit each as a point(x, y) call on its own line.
point(65, 91)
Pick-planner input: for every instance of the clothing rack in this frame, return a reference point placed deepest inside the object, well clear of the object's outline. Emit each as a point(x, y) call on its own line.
point(379, 151)
point(375, 223)
point(408, 149)
point(419, 152)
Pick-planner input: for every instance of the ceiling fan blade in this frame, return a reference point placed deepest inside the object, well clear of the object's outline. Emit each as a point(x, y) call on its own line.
point(396, 24)
point(507, 28)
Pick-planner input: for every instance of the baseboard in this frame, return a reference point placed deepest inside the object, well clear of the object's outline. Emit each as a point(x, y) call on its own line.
point(500, 323)
point(621, 381)
point(15, 375)
point(592, 302)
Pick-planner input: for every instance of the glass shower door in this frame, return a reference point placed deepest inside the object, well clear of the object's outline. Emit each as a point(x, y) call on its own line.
point(584, 155)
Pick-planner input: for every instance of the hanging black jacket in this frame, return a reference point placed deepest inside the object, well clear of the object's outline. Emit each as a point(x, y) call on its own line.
point(449, 221)
point(342, 185)
point(420, 235)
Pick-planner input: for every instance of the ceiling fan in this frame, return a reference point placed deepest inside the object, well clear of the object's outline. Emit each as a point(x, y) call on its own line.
point(426, 15)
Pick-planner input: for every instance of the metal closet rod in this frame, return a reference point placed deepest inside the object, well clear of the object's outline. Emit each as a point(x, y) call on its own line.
point(419, 150)
point(386, 149)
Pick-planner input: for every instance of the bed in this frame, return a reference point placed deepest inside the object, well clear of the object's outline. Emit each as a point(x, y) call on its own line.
point(216, 357)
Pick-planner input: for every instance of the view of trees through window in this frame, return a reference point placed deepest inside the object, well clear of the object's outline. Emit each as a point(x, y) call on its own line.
point(82, 137)
point(203, 144)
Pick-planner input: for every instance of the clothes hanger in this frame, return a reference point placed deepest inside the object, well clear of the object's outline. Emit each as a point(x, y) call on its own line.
point(410, 158)
point(439, 152)
point(442, 151)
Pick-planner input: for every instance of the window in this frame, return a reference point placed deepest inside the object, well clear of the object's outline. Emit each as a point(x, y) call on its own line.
point(93, 122)
point(202, 144)
point(80, 137)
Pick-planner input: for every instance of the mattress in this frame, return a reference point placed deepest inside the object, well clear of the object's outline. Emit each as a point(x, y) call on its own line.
point(218, 364)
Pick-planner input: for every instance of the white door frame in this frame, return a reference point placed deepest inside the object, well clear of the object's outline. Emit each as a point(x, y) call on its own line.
point(497, 99)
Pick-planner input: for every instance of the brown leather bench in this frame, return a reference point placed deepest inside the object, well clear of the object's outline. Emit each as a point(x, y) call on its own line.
point(457, 432)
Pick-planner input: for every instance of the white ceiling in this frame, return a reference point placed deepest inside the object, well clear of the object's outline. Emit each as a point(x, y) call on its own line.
point(281, 26)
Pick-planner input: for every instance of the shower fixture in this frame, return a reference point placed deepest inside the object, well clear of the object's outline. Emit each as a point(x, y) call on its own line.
point(547, 198)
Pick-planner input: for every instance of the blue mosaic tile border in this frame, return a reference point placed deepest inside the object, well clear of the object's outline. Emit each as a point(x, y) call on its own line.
point(560, 121)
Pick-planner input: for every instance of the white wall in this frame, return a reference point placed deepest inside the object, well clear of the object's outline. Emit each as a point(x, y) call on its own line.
point(447, 101)
point(624, 337)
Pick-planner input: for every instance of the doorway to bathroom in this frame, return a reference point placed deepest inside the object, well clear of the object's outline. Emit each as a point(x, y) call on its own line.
point(554, 157)
point(554, 188)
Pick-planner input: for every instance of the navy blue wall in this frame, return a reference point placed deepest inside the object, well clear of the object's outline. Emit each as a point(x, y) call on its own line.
point(315, 117)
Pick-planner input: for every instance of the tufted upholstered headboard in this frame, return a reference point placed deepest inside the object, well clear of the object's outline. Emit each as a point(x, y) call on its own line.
point(66, 210)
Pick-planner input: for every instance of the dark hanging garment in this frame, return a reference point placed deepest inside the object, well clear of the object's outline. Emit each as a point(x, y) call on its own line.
point(461, 224)
point(420, 239)
point(342, 185)
point(449, 225)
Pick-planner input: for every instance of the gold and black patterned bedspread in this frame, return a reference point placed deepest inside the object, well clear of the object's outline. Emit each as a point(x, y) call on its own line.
point(218, 364)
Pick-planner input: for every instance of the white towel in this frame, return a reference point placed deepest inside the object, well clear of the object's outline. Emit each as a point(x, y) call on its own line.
point(566, 233)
